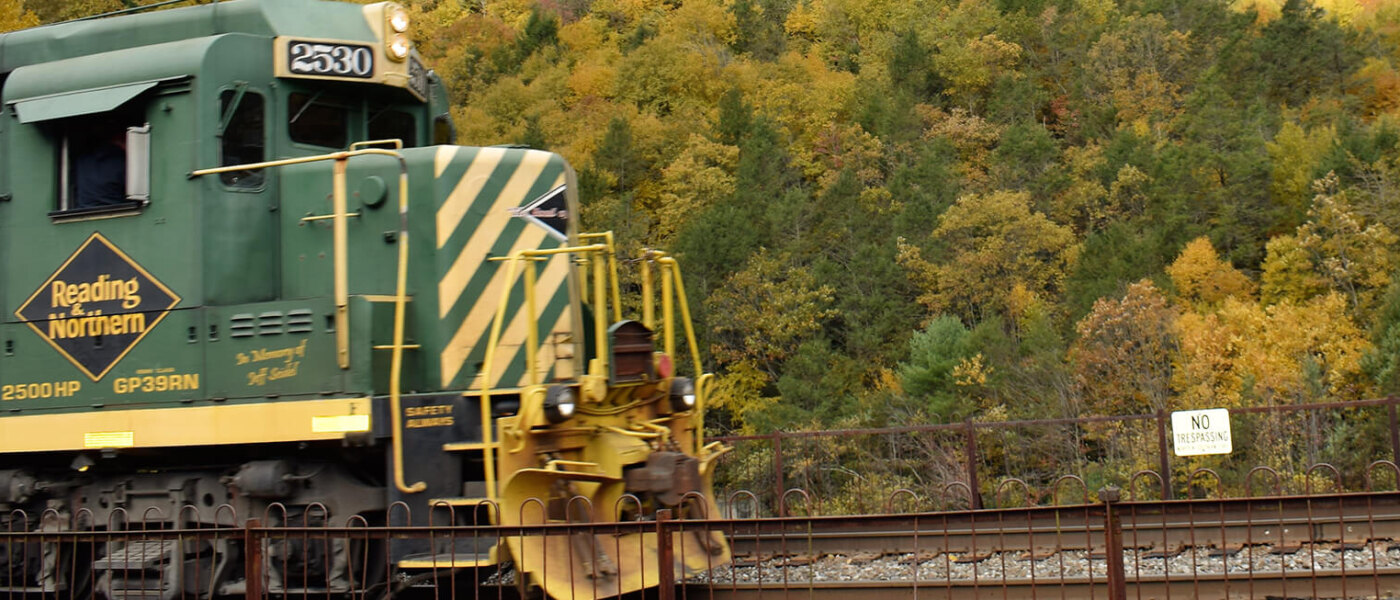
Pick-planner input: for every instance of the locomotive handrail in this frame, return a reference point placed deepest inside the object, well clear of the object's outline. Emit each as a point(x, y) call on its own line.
point(488, 361)
point(342, 287)
point(607, 238)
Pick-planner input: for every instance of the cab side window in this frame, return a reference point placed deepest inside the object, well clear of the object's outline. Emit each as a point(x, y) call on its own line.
point(315, 120)
point(104, 163)
point(242, 136)
point(391, 124)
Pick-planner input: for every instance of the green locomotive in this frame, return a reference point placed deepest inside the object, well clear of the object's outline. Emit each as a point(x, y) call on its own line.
point(242, 265)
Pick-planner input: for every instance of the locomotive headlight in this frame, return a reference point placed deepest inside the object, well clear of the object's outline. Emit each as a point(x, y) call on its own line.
point(682, 394)
point(398, 20)
point(399, 47)
point(559, 403)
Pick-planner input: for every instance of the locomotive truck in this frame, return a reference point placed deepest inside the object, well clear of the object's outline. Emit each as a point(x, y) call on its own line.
point(243, 266)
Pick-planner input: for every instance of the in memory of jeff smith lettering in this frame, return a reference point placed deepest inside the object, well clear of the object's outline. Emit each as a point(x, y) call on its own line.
point(99, 293)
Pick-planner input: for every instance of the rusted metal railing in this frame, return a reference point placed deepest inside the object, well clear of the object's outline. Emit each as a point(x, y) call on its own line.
point(1060, 541)
point(963, 438)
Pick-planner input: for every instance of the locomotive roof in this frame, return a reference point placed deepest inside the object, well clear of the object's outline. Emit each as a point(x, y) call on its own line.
point(309, 18)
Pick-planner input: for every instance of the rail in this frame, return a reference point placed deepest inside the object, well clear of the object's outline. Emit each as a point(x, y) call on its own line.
point(1098, 545)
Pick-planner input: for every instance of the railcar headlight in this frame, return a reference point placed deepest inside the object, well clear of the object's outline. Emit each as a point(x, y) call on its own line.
point(682, 394)
point(559, 403)
point(399, 47)
point(398, 20)
point(82, 463)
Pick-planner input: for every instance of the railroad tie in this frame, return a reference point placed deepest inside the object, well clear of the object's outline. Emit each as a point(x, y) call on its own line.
point(969, 558)
point(801, 560)
point(1227, 550)
point(861, 558)
point(921, 556)
point(751, 560)
point(1165, 552)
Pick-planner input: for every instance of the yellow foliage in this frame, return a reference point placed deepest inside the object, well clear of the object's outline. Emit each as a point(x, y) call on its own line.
point(768, 310)
point(1294, 153)
point(1288, 273)
point(805, 97)
point(595, 76)
point(1354, 257)
point(802, 20)
point(584, 37)
point(975, 64)
point(1270, 349)
point(1377, 84)
point(14, 16)
point(701, 21)
point(995, 242)
point(1204, 375)
point(1201, 278)
point(702, 174)
point(1137, 68)
point(972, 136)
point(972, 371)
point(741, 390)
point(847, 146)
point(513, 13)
point(1266, 10)
point(627, 13)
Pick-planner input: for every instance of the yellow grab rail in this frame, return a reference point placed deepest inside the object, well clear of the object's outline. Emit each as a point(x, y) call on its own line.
point(341, 273)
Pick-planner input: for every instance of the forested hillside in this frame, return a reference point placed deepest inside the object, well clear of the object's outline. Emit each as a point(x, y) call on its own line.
point(901, 211)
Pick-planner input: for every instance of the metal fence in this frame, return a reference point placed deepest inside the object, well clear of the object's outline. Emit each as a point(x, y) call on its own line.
point(1348, 435)
point(1064, 541)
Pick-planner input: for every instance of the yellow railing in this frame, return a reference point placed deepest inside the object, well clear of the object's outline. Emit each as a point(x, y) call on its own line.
point(599, 262)
point(339, 243)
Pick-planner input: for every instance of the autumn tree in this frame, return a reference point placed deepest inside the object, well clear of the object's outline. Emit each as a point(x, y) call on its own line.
point(1354, 257)
point(986, 245)
point(1202, 279)
point(1125, 350)
point(13, 15)
point(769, 310)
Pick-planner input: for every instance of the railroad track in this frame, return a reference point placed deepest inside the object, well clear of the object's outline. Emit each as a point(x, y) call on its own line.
point(1338, 546)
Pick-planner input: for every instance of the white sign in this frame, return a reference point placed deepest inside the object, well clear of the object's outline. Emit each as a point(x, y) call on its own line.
point(1197, 432)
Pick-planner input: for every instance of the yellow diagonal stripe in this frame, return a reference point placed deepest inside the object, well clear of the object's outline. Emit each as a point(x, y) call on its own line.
point(474, 254)
point(514, 336)
point(443, 158)
point(452, 211)
point(483, 310)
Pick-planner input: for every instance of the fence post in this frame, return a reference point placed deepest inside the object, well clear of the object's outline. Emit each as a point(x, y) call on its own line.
point(1113, 544)
point(778, 490)
point(252, 560)
point(974, 487)
point(665, 557)
point(1394, 430)
point(1162, 460)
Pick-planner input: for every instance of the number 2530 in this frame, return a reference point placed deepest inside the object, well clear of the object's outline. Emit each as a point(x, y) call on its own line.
point(336, 60)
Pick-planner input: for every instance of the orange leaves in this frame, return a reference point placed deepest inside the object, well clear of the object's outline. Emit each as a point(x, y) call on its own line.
point(1123, 357)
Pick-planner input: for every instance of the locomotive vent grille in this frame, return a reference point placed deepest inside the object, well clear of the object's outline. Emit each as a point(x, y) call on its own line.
point(299, 321)
point(241, 325)
point(270, 323)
